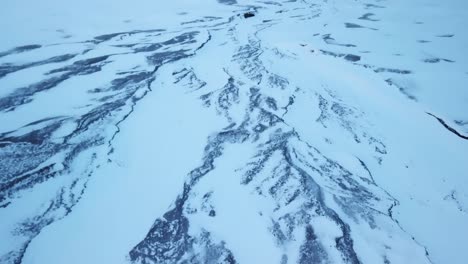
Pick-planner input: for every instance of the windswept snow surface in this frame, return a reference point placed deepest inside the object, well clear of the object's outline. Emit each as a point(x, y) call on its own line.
point(184, 131)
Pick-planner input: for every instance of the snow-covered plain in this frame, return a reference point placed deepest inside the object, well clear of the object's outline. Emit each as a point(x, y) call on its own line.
point(184, 132)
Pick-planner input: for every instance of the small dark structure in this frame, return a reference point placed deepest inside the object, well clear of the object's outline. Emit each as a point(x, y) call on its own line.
point(249, 14)
point(352, 57)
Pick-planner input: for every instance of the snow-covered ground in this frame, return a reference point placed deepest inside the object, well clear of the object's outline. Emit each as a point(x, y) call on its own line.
point(186, 132)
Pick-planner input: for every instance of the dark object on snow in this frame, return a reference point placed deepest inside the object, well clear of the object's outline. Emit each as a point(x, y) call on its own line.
point(353, 58)
point(249, 14)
